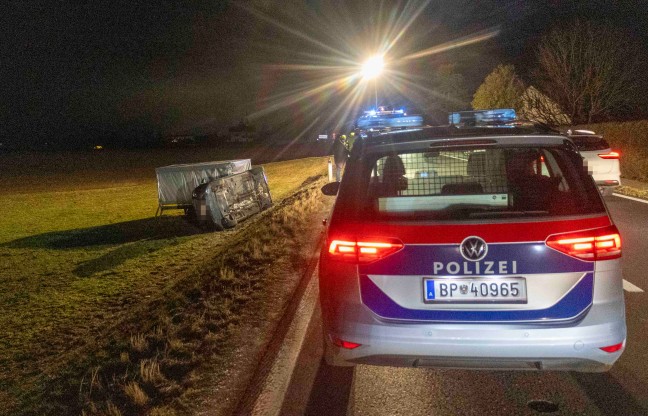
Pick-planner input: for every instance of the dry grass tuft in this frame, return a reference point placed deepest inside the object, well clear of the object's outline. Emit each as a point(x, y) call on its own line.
point(150, 371)
point(138, 342)
point(174, 344)
point(255, 250)
point(95, 383)
point(163, 411)
point(112, 410)
point(136, 394)
point(226, 274)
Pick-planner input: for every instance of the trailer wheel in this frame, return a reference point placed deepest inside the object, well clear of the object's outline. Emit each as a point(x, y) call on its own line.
point(229, 221)
point(190, 213)
point(215, 226)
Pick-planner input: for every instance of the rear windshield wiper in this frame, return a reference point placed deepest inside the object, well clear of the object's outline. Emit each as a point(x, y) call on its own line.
point(492, 214)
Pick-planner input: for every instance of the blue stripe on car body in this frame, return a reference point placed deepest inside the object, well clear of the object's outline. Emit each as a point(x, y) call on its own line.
point(569, 308)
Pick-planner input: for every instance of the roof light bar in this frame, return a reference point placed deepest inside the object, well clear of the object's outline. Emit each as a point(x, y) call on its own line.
point(483, 118)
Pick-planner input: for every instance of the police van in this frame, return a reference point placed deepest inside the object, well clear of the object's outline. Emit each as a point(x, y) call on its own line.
point(469, 247)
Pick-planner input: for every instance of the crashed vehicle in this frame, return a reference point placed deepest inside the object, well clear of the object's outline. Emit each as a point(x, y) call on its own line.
point(223, 202)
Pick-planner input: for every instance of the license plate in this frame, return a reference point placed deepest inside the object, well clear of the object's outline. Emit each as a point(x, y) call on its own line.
point(475, 290)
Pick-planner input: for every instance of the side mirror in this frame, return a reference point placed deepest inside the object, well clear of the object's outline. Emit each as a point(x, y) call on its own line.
point(331, 189)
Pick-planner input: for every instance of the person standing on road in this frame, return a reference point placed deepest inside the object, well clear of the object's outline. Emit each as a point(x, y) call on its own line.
point(340, 155)
point(350, 140)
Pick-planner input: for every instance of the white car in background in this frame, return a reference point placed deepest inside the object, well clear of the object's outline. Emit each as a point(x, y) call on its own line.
point(602, 161)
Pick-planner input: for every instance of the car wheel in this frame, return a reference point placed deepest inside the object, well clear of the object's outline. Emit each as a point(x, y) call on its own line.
point(606, 190)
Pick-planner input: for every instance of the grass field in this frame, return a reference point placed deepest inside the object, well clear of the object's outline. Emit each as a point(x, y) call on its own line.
point(108, 310)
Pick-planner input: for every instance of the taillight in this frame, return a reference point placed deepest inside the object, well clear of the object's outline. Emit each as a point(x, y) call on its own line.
point(363, 250)
point(612, 348)
point(344, 344)
point(597, 244)
point(609, 155)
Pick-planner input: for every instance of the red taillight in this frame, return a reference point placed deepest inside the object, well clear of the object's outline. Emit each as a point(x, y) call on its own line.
point(363, 251)
point(609, 155)
point(344, 344)
point(597, 244)
point(612, 348)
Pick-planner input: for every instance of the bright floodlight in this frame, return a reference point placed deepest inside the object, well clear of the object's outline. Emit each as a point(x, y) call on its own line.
point(372, 67)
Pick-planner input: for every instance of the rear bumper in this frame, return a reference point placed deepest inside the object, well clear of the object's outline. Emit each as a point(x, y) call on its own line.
point(479, 363)
point(538, 344)
point(494, 346)
point(607, 187)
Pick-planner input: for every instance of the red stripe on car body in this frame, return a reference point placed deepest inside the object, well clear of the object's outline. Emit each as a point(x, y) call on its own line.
point(505, 232)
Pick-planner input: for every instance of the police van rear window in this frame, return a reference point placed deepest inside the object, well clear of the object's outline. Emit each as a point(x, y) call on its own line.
point(480, 183)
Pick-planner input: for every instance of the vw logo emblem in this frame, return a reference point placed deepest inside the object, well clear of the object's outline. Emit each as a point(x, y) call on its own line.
point(473, 248)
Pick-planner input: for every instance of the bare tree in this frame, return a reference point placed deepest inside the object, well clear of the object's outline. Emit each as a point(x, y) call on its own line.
point(591, 71)
point(441, 91)
point(536, 106)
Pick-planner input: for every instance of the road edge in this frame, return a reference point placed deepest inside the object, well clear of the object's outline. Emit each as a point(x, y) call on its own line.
point(269, 385)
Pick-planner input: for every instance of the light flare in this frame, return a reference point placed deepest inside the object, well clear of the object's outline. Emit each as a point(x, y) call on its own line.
point(327, 75)
point(458, 43)
point(373, 67)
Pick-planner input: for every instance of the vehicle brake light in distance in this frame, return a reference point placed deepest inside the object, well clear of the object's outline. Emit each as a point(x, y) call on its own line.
point(363, 250)
point(597, 244)
point(609, 155)
point(612, 348)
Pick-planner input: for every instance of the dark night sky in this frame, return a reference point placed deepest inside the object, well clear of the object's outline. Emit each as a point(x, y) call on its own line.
point(78, 69)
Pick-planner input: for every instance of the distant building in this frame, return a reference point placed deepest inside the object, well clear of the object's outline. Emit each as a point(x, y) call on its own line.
point(182, 139)
point(243, 132)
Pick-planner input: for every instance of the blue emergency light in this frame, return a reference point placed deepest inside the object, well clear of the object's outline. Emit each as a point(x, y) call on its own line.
point(483, 118)
point(385, 118)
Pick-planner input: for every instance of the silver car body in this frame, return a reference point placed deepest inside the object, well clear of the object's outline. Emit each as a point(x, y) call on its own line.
point(378, 312)
point(602, 161)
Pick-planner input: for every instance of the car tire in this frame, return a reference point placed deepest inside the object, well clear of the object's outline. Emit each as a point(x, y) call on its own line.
point(606, 190)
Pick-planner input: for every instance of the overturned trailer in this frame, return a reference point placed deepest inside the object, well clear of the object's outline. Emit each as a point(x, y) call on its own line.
point(224, 202)
point(176, 183)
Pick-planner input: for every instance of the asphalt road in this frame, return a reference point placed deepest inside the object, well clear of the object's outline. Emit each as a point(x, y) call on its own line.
point(368, 390)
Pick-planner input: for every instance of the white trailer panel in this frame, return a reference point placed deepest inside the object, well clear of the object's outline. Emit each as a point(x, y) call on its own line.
point(177, 182)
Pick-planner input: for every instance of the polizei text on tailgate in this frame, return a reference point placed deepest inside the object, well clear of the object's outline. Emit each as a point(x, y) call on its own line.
point(475, 268)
